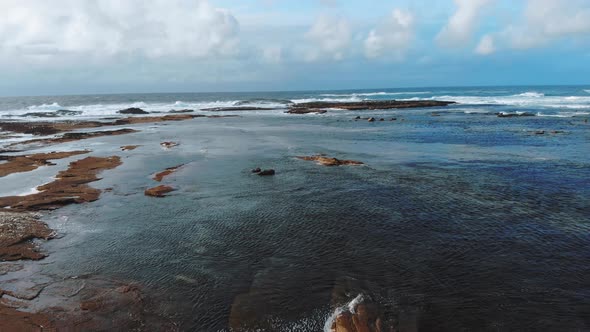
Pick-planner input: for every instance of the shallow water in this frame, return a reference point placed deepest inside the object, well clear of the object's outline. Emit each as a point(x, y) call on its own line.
point(464, 221)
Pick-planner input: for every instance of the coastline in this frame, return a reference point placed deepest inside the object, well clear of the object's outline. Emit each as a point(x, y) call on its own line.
point(110, 295)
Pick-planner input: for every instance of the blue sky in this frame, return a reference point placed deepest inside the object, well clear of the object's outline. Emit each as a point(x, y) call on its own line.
point(110, 46)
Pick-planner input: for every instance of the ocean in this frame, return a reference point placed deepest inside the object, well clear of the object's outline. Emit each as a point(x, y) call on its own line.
point(459, 220)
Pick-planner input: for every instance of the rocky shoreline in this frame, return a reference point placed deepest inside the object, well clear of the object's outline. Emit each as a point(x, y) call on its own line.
point(322, 107)
point(97, 304)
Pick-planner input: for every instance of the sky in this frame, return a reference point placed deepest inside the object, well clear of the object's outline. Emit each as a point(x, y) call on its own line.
point(114, 46)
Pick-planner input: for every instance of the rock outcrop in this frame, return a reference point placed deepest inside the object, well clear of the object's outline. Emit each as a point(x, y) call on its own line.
point(26, 163)
point(159, 191)
point(267, 172)
point(169, 145)
point(327, 161)
point(17, 230)
point(133, 110)
point(70, 187)
point(366, 105)
point(160, 176)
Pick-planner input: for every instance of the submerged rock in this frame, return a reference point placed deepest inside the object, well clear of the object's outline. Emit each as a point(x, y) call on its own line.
point(256, 170)
point(327, 161)
point(133, 110)
point(159, 191)
point(306, 111)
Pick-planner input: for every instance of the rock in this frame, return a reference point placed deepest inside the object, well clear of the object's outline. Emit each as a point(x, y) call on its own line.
point(26, 163)
point(513, 115)
point(267, 172)
point(306, 111)
point(371, 120)
point(357, 117)
point(256, 170)
point(168, 145)
point(159, 191)
point(370, 105)
point(70, 187)
point(393, 119)
point(237, 108)
point(16, 232)
point(327, 161)
point(540, 132)
point(133, 110)
point(160, 176)
point(71, 137)
point(434, 114)
point(181, 111)
point(129, 147)
point(557, 132)
point(382, 119)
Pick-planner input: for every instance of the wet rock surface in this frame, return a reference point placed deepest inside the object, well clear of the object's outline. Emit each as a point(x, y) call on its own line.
point(159, 191)
point(129, 147)
point(306, 111)
point(72, 137)
point(238, 108)
point(366, 105)
point(328, 161)
point(169, 145)
point(26, 163)
point(70, 187)
point(266, 172)
point(170, 170)
point(132, 110)
point(17, 230)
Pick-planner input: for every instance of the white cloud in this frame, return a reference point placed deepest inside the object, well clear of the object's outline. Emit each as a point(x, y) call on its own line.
point(547, 20)
point(392, 38)
point(486, 45)
point(329, 37)
point(273, 54)
point(40, 29)
point(460, 28)
point(542, 22)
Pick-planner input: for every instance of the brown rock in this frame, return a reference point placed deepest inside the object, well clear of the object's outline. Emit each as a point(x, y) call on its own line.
point(303, 110)
point(71, 186)
point(159, 191)
point(370, 105)
point(17, 164)
point(168, 145)
point(327, 161)
point(160, 176)
point(16, 232)
point(71, 137)
point(129, 147)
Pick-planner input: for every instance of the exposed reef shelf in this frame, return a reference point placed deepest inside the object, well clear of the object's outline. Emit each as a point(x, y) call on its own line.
point(315, 107)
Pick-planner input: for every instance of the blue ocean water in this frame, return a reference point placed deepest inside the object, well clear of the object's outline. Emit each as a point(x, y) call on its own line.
point(544, 100)
point(461, 221)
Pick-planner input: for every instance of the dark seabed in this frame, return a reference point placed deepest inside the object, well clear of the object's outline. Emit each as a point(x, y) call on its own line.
point(460, 222)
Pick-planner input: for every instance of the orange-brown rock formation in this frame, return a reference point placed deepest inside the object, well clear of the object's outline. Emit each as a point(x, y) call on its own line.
point(16, 232)
point(159, 191)
point(160, 176)
point(26, 163)
point(71, 186)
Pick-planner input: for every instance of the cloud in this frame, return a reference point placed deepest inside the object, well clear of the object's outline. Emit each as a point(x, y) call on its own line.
point(392, 38)
point(486, 45)
point(460, 28)
point(329, 37)
point(548, 20)
point(39, 29)
point(542, 22)
point(272, 54)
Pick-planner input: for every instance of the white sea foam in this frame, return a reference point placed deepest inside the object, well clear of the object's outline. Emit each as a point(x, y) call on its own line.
point(521, 100)
point(531, 94)
point(374, 94)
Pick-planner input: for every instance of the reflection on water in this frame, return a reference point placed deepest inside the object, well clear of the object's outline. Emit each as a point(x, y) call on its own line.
point(459, 222)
